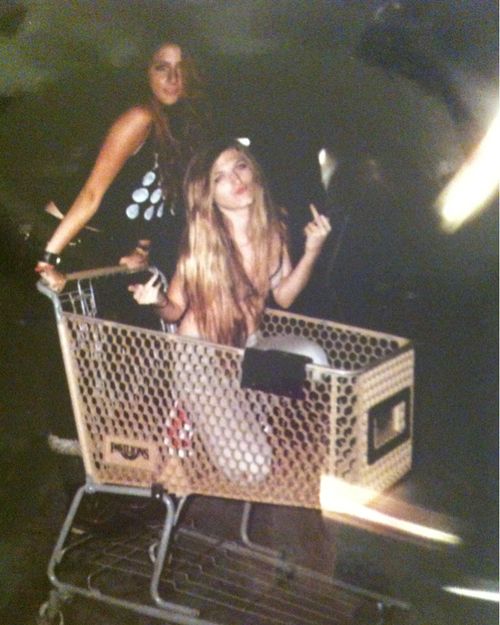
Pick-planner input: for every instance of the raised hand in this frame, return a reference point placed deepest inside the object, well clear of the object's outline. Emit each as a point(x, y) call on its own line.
point(316, 231)
point(138, 257)
point(134, 260)
point(150, 293)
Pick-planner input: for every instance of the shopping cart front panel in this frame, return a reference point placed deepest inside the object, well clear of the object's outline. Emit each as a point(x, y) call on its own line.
point(157, 408)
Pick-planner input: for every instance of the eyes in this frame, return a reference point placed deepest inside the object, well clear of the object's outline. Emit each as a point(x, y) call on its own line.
point(168, 68)
point(239, 167)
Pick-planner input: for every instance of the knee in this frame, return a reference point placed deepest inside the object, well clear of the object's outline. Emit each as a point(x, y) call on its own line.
point(295, 345)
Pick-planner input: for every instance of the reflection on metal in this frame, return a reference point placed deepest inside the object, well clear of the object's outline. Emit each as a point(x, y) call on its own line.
point(474, 593)
point(339, 497)
point(244, 141)
point(474, 185)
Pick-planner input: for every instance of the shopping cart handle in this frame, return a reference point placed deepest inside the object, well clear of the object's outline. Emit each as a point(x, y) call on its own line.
point(88, 274)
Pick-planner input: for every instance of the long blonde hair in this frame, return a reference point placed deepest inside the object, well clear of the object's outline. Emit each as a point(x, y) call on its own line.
point(220, 294)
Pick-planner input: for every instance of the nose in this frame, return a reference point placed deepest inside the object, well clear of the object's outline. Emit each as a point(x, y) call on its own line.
point(173, 75)
point(236, 177)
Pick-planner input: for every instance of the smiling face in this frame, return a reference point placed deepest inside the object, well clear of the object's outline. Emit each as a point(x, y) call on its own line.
point(233, 181)
point(165, 74)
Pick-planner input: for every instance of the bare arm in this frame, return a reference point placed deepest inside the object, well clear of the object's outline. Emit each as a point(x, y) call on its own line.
point(294, 280)
point(125, 136)
point(170, 306)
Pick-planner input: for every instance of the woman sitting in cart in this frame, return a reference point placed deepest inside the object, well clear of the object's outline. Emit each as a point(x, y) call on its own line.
point(234, 253)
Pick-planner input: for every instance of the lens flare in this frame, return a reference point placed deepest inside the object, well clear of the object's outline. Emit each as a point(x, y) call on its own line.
point(349, 500)
point(474, 593)
point(474, 185)
point(327, 164)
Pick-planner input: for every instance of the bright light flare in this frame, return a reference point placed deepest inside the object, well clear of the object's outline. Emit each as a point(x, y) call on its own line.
point(474, 593)
point(244, 141)
point(475, 183)
point(327, 164)
point(339, 497)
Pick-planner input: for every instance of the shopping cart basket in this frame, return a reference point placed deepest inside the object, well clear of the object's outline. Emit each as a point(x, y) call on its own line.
point(163, 416)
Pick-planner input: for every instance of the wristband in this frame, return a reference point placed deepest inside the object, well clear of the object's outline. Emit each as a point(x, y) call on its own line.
point(50, 258)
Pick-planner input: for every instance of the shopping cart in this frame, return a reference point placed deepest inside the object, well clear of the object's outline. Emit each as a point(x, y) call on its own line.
point(161, 417)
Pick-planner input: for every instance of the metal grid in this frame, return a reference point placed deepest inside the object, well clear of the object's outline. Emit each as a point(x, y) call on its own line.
point(153, 407)
point(227, 583)
point(169, 414)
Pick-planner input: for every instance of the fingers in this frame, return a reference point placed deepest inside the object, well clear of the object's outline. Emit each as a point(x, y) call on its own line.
point(316, 231)
point(320, 226)
point(150, 285)
point(153, 281)
point(314, 211)
point(320, 220)
point(147, 293)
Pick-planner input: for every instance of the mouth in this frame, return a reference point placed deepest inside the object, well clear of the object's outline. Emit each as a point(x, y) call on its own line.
point(171, 91)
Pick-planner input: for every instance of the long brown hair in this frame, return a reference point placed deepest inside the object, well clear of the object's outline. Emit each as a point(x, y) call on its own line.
point(180, 129)
point(221, 295)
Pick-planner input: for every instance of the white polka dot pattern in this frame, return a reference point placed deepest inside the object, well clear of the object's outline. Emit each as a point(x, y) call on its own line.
point(147, 200)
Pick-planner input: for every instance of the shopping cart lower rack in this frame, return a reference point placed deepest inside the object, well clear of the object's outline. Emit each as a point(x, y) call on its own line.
point(162, 417)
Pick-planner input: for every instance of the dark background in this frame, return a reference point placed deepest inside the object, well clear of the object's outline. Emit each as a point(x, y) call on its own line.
point(399, 92)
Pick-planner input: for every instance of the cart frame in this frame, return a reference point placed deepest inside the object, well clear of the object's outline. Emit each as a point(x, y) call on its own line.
point(360, 408)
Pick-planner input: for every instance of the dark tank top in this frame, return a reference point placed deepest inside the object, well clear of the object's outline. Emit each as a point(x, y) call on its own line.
point(134, 208)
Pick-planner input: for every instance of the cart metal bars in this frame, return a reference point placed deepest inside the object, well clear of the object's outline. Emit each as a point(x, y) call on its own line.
point(155, 408)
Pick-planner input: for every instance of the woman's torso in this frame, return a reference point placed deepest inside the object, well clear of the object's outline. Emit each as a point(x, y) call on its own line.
point(134, 206)
point(188, 325)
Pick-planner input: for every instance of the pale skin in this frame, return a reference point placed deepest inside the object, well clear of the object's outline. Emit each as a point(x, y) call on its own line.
point(124, 138)
point(234, 189)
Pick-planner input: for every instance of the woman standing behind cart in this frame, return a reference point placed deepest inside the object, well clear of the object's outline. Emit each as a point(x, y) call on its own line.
point(136, 181)
point(234, 253)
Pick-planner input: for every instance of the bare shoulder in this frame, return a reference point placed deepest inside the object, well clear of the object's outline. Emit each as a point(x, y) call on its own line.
point(130, 130)
point(137, 116)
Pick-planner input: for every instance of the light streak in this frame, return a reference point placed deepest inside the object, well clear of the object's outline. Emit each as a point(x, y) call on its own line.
point(339, 497)
point(244, 141)
point(474, 593)
point(327, 164)
point(475, 183)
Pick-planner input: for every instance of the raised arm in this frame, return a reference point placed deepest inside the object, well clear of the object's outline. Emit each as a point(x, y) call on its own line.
point(294, 280)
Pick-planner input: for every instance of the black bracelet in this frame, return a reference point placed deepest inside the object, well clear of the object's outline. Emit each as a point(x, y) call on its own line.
point(50, 258)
